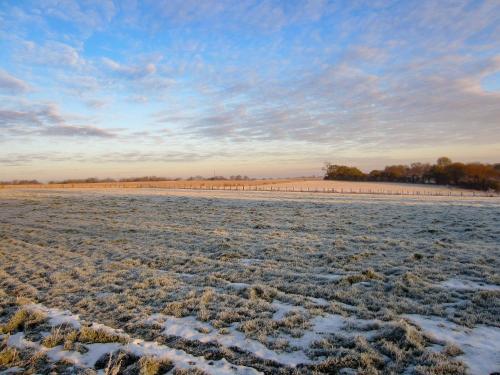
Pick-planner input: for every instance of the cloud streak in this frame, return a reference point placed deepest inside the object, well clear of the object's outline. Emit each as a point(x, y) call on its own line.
point(12, 85)
point(46, 120)
point(353, 78)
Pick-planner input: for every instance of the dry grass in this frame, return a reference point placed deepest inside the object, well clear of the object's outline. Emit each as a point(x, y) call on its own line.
point(55, 338)
point(20, 320)
point(154, 366)
point(370, 187)
point(91, 335)
point(193, 184)
point(228, 259)
point(9, 357)
point(297, 184)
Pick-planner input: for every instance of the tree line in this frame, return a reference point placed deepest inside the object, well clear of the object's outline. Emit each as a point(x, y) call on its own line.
point(20, 182)
point(95, 180)
point(445, 172)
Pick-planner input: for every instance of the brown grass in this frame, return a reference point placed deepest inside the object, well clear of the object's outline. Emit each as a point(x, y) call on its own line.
point(194, 184)
point(91, 335)
point(21, 319)
point(8, 357)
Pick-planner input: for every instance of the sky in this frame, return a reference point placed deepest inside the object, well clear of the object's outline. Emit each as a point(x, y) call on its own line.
point(179, 88)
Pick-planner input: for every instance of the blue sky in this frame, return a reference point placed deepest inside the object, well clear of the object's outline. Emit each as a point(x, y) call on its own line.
point(263, 88)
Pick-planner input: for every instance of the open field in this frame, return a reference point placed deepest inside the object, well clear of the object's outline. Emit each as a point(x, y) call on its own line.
point(226, 282)
point(349, 187)
point(280, 185)
point(179, 184)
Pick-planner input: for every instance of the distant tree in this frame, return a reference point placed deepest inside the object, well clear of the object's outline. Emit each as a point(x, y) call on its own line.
point(20, 182)
point(439, 173)
point(455, 172)
point(444, 172)
point(343, 172)
point(216, 178)
point(481, 176)
point(443, 161)
point(417, 172)
point(396, 173)
point(376, 175)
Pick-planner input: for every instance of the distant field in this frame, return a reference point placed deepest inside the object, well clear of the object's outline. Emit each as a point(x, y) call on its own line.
point(194, 184)
point(370, 187)
point(293, 185)
point(226, 282)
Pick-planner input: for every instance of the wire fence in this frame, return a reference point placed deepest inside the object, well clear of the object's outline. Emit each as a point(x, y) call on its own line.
point(293, 189)
point(274, 188)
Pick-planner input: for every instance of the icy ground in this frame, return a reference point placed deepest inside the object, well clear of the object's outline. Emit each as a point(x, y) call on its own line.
point(261, 281)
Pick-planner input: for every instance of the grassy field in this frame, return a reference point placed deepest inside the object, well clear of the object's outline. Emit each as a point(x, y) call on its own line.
point(280, 185)
point(223, 282)
point(180, 184)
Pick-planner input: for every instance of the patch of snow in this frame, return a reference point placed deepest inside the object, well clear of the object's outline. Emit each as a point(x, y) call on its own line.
point(328, 276)
point(12, 370)
point(180, 358)
point(18, 341)
point(461, 284)
point(95, 351)
point(191, 329)
point(238, 286)
point(183, 275)
point(481, 345)
point(88, 359)
point(250, 261)
point(56, 317)
point(284, 308)
point(184, 360)
point(319, 301)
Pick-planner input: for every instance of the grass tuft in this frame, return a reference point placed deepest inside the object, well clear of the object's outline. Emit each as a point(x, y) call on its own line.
point(21, 319)
point(8, 357)
point(89, 335)
point(154, 366)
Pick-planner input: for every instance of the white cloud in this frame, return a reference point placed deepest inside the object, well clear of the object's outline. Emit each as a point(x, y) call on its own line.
point(51, 53)
point(130, 71)
point(11, 84)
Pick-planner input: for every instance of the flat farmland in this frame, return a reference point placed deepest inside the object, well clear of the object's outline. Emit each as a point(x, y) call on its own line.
point(247, 282)
point(280, 185)
point(367, 187)
point(167, 184)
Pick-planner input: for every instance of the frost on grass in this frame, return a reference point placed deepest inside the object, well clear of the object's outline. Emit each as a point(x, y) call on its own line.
point(478, 347)
point(149, 355)
point(459, 284)
point(261, 280)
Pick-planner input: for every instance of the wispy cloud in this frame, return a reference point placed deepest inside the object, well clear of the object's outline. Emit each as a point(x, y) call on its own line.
point(34, 120)
point(51, 53)
point(359, 77)
point(18, 159)
point(76, 131)
point(11, 84)
point(130, 71)
point(92, 13)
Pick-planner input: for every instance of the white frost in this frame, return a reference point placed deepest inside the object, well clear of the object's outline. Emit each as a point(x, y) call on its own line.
point(184, 360)
point(191, 329)
point(460, 284)
point(56, 317)
point(481, 345)
point(180, 358)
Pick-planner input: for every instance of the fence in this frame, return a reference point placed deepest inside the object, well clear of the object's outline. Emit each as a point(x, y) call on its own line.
point(286, 189)
point(271, 188)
